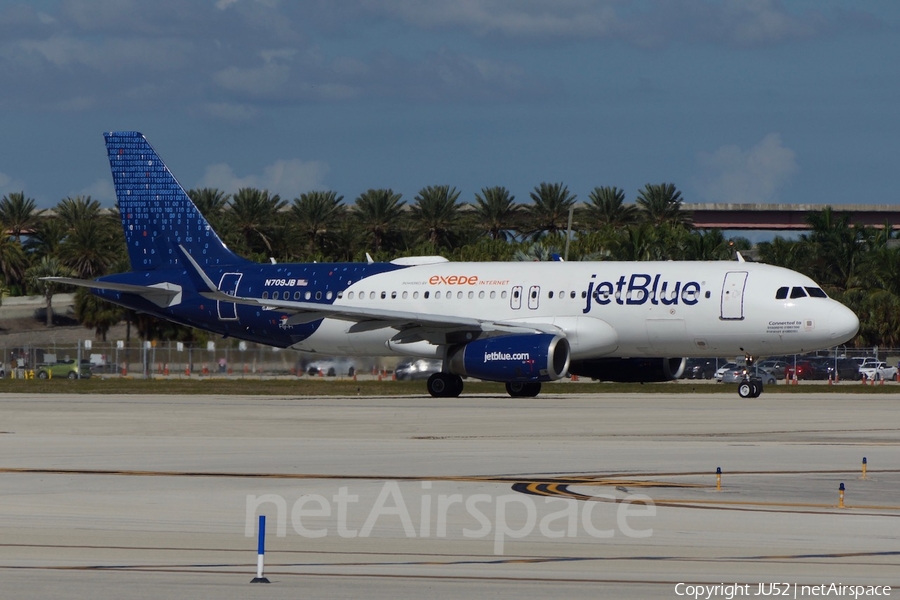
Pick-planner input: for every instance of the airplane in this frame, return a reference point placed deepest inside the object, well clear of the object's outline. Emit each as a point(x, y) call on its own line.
point(513, 322)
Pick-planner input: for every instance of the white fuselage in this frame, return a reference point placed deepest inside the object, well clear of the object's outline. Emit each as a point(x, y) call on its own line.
point(606, 309)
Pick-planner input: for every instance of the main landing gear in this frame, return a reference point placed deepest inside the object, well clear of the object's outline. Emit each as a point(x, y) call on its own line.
point(521, 389)
point(445, 385)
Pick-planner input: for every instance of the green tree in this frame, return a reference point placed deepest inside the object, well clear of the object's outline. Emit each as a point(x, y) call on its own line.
point(316, 216)
point(73, 211)
point(49, 266)
point(662, 203)
point(95, 313)
point(549, 211)
point(379, 214)
point(436, 214)
point(254, 215)
point(18, 214)
point(607, 208)
point(211, 203)
point(89, 249)
point(13, 262)
point(47, 237)
point(496, 212)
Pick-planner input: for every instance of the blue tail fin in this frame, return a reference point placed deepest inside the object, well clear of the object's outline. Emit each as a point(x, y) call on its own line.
point(157, 214)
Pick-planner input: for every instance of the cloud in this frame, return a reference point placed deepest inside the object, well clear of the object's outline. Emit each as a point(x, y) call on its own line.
point(231, 59)
point(646, 24)
point(9, 185)
point(730, 174)
point(101, 190)
point(287, 178)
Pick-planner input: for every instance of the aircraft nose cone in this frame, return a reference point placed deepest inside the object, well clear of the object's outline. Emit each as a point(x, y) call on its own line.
point(843, 324)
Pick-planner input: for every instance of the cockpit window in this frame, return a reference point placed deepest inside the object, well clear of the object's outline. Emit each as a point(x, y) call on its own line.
point(798, 292)
point(816, 292)
point(782, 293)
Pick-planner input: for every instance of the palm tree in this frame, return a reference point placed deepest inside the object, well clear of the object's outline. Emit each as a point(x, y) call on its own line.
point(496, 212)
point(47, 237)
point(211, 203)
point(549, 212)
point(13, 261)
point(48, 267)
point(89, 249)
point(835, 247)
point(95, 313)
point(608, 208)
point(380, 214)
point(712, 245)
point(790, 254)
point(662, 203)
point(18, 214)
point(436, 213)
point(75, 210)
point(316, 214)
point(254, 215)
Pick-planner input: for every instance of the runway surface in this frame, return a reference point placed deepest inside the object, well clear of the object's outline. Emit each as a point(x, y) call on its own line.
point(564, 496)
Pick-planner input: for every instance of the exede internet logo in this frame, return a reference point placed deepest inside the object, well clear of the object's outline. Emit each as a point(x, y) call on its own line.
point(454, 279)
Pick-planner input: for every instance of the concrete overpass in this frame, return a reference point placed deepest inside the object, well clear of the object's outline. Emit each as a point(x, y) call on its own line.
point(786, 216)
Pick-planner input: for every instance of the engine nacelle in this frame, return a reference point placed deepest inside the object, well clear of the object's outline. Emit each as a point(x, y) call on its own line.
point(629, 369)
point(530, 357)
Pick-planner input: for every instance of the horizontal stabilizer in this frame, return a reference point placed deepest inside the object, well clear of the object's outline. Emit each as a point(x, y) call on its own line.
point(161, 294)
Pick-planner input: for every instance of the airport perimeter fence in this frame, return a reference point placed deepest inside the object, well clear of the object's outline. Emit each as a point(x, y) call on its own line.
point(236, 359)
point(222, 358)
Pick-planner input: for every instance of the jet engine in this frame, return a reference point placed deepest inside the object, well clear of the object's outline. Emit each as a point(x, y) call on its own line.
point(529, 357)
point(629, 369)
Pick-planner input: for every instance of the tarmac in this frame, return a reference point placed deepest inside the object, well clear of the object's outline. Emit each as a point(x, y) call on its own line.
point(588, 495)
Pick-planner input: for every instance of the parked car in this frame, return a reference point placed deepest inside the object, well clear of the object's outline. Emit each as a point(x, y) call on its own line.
point(879, 371)
point(806, 369)
point(776, 367)
point(422, 368)
point(332, 367)
point(720, 372)
point(736, 375)
point(702, 368)
point(847, 369)
point(66, 369)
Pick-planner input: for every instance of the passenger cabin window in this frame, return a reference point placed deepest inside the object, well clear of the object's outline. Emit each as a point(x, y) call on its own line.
point(815, 292)
point(798, 292)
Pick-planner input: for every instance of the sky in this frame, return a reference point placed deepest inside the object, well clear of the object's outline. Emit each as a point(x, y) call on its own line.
point(731, 101)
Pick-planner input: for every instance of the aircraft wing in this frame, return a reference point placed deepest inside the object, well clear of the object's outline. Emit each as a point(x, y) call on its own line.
point(437, 329)
point(368, 318)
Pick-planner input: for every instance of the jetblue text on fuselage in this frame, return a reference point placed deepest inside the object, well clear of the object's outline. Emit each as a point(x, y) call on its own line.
point(640, 288)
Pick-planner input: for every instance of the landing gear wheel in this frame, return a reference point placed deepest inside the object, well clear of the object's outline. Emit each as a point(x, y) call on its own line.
point(757, 384)
point(521, 389)
point(445, 385)
point(750, 388)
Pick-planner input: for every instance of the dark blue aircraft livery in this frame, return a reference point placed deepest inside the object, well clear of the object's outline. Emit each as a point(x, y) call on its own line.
point(519, 323)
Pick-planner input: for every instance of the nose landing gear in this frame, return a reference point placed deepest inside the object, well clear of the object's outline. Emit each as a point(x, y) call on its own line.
point(749, 387)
